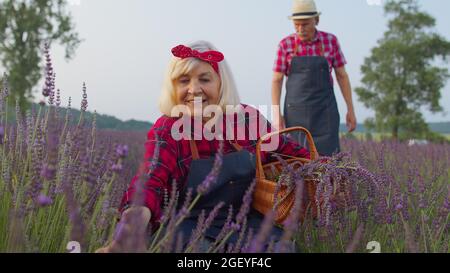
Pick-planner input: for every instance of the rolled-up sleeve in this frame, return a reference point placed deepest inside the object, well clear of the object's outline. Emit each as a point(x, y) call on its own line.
point(280, 64)
point(339, 58)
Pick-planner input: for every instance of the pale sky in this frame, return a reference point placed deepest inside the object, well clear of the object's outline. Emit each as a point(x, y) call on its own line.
point(127, 47)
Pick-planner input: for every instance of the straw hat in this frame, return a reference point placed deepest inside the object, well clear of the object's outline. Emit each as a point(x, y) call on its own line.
point(304, 9)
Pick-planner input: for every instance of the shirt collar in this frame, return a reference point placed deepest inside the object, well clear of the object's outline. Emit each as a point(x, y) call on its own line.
point(315, 39)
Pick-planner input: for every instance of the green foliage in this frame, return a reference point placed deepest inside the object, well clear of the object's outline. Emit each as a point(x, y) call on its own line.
point(24, 27)
point(402, 74)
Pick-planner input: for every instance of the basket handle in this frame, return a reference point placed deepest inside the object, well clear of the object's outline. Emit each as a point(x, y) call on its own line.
point(312, 147)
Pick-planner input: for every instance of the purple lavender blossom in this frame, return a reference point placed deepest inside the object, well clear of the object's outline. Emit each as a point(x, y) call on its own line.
point(212, 215)
point(58, 97)
point(43, 200)
point(122, 151)
point(212, 176)
point(48, 171)
point(116, 167)
point(258, 242)
point(49, 74)
point(246, 203)
point(84, 102)
point(2, 134)
point(399, 207)
point(197, 232)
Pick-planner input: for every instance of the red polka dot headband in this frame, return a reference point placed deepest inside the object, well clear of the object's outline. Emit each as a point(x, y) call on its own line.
point(212, 57)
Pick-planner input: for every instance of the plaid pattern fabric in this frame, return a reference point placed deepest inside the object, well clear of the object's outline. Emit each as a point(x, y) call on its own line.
point(331, 51)
point(170, 160)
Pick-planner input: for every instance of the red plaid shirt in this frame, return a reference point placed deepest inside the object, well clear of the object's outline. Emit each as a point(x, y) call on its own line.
point(175, 158)
point(331, 51)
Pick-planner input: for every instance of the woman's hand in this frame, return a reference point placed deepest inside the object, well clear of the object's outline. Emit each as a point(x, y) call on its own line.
point(131, 232)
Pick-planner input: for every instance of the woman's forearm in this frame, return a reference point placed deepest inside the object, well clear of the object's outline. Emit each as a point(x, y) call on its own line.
point(134, 220)
point(143, 214)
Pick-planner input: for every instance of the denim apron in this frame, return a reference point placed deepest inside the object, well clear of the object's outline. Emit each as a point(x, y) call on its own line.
point(236, 175)
point(310, 102)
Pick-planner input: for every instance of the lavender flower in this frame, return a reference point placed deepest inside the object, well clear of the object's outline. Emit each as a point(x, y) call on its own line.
point(291, 223)
point(379, 188)
point(246, 203)
point(116, 167)
point(43, 200)
point(122, 151)
point(258, 242)
point(240, 241)
point(2, 134)
point(78, 227)
point(212, 215)
point(51, 98)
point(226, 229)
point(197, 233)
point(49, 76)
point(179, 243)
point(214, 173)
point(58, 98)
point(84, 102)
point(48, 171)
point(352, 246)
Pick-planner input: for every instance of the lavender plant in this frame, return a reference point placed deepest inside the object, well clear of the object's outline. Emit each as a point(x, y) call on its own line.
point(62, 183)
point(51, 177)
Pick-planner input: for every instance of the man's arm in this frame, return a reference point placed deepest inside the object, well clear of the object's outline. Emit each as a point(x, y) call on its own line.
point(346, 89)
point(277, 85)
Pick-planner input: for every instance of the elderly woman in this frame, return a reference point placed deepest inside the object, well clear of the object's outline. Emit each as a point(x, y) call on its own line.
point(199, 78)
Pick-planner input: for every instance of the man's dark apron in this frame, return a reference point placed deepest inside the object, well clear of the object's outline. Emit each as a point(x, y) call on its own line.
point(310, 102)
point(236, 175)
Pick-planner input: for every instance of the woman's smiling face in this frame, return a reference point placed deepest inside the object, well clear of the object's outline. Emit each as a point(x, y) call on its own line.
point(201, 83)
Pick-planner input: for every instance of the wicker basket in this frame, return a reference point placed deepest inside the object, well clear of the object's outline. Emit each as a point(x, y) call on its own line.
point(263, 198)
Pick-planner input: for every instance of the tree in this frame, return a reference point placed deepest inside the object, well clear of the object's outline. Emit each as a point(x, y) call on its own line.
point(24, 28)
point(403, 74)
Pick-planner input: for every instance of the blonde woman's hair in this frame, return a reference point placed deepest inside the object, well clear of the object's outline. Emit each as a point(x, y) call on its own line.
point(178, 67)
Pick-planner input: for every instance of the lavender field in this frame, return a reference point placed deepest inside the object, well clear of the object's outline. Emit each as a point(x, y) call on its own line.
point(62, 184)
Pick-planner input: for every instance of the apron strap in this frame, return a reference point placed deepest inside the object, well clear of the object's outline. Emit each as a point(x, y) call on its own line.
point(194, 149)
point(321, 49)
point(295, 45)
point(236, 146)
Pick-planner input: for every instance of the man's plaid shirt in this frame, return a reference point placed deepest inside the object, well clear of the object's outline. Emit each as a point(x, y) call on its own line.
point(331, 51)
